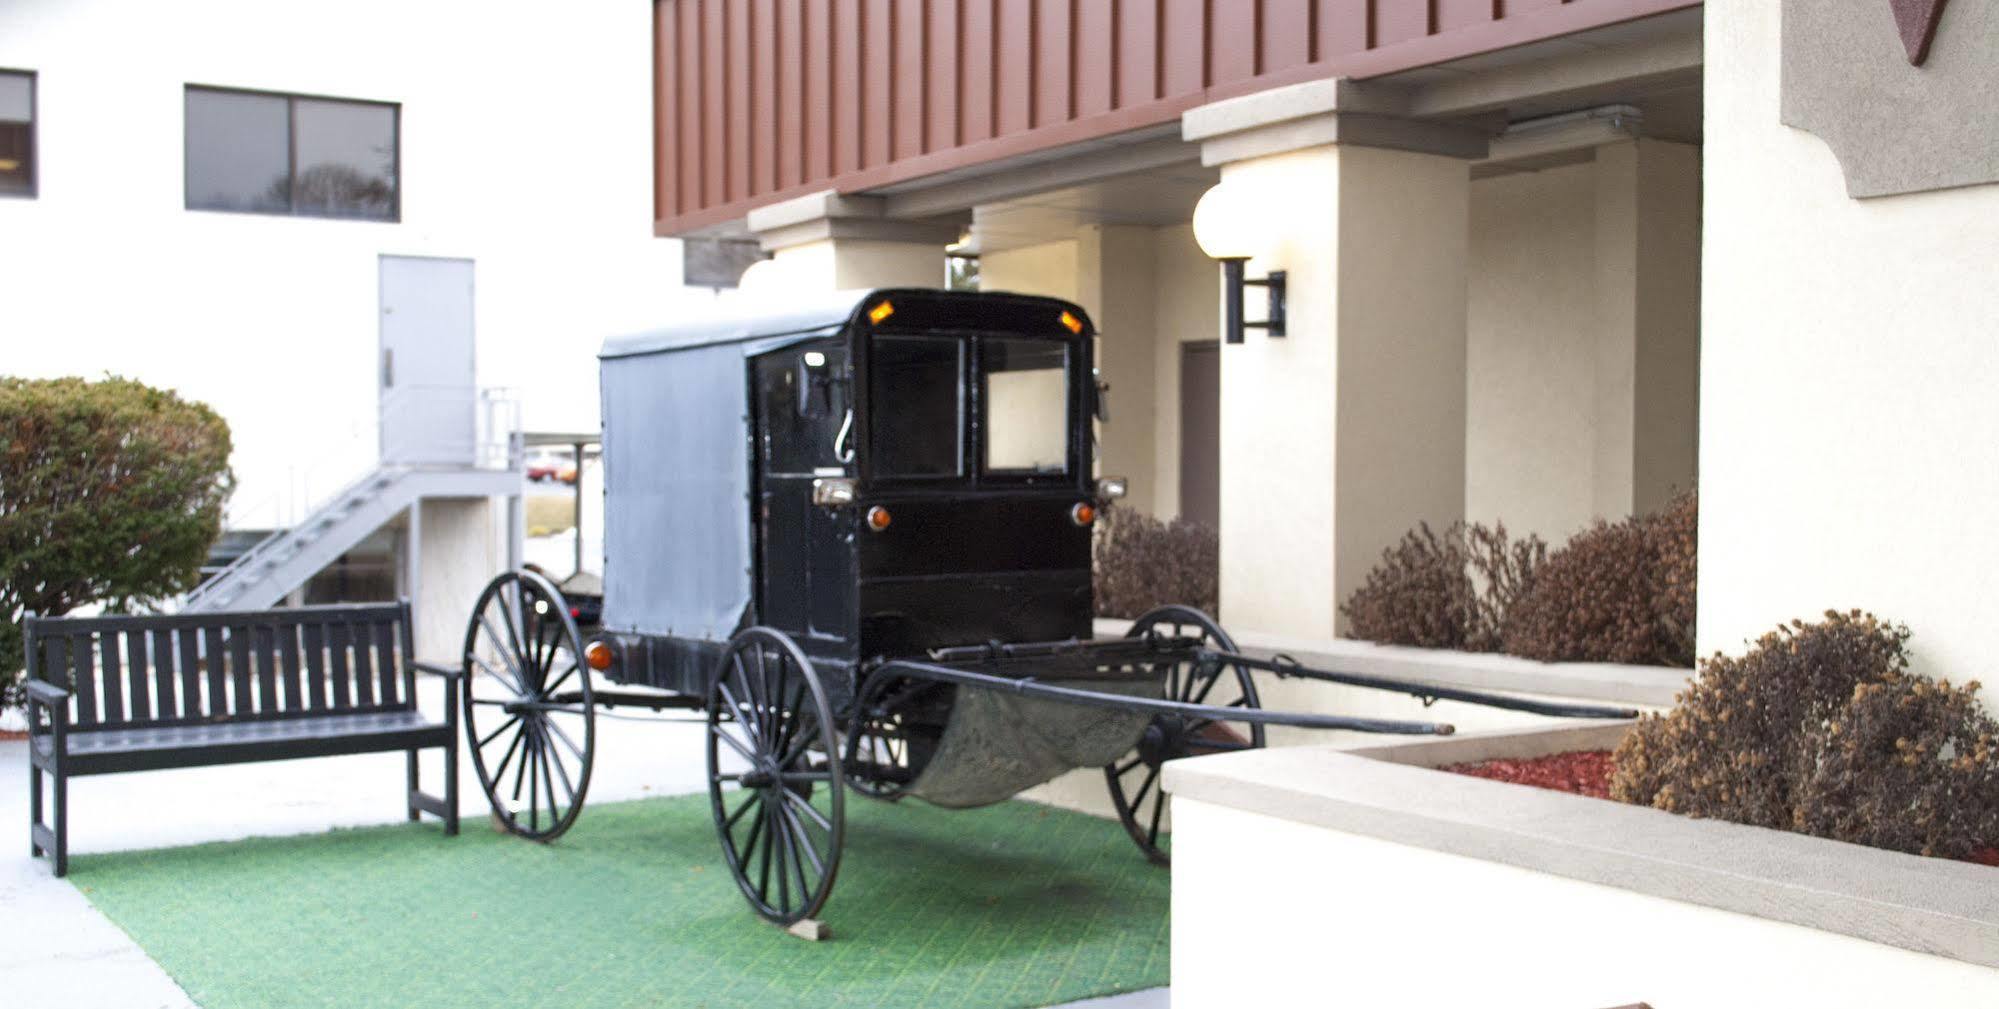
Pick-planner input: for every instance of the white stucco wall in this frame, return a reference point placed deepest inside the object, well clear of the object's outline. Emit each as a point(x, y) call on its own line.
point(1346, 920)
point(523, 147)
point(1849, 362)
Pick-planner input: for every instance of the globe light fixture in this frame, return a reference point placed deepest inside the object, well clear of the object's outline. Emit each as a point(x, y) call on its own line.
point(1230, 228)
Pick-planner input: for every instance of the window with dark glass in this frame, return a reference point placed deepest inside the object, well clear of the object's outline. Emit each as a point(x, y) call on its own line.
point(17, 133)
point(1024, 385)
point(916, 409)
point(263, 153)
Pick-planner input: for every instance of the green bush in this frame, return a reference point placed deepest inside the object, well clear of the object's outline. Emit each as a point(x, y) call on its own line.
point(1143, 563)
point(110, 492)
point(1820, 729)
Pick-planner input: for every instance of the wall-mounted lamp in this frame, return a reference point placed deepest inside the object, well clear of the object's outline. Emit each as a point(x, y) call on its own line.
point(1229, 228)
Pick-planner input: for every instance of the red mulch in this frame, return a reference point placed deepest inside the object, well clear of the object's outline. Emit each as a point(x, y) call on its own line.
point(1583, 772)
point(9, 735)
point(1587, 772)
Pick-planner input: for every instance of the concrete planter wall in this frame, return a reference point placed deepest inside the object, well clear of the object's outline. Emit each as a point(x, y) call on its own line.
point(1324, 876)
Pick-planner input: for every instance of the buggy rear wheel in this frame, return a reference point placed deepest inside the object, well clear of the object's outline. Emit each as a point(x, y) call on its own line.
point(774, 781)
point(1135, 787)
point(529, 717)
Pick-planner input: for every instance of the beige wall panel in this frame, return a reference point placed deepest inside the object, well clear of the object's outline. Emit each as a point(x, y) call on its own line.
point(1531, 351)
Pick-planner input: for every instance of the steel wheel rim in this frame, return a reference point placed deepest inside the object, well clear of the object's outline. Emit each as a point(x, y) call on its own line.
point(530, 719)
point(1134, 779)
point(783, 826)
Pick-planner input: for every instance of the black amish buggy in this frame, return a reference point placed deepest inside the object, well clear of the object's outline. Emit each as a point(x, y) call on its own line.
point(854, 535)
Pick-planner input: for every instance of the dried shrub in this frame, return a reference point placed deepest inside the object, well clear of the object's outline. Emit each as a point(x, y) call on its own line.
point(1821, 729)
point(1142, 563)
point(1729, 748)
point(1448, 590)
point(1502, 571)
point(1617, 592)
point(1910, 764)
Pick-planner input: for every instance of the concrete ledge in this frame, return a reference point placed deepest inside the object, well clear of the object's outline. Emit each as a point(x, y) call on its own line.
point(1641, 686)
point(830, 215)
point(1933, 906)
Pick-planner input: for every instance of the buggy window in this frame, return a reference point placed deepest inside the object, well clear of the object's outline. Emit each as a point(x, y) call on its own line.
point(1025, 388)
point(916, 413)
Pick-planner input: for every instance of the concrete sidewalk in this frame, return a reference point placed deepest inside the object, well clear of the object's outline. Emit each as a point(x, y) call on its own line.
point(58, 952)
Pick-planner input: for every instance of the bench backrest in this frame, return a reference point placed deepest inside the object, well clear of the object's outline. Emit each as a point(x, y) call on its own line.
point(133, 671)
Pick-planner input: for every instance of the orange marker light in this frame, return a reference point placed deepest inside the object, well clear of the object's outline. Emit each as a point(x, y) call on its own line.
point(880, 312)
point(598, 655)
point(1075, 325)
point(1083, 513)
point(878, 518)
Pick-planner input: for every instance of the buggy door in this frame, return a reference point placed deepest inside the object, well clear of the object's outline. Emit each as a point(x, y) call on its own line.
point(805, 552)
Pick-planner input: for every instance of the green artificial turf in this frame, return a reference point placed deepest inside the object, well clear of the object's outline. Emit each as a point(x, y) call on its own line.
point(1013, 905)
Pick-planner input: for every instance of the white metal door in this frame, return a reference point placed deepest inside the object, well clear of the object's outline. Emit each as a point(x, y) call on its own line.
point(429, 408)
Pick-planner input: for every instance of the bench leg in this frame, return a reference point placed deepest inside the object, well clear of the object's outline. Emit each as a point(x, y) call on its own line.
point(62, 824)
point(451, 786)
point(34, 806)
point(410, 796)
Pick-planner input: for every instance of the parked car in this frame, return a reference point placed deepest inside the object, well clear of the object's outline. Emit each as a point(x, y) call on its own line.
point(545, 466)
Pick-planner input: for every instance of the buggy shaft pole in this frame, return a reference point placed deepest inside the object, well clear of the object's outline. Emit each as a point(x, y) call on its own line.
point(1284, 666)
point(1030, 687)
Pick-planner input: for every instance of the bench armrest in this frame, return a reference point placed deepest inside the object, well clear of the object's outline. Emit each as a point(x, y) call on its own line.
point(48, 693)
point(438, 669)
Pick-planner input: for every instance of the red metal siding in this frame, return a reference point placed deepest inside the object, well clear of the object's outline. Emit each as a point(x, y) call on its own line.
point(760, 100)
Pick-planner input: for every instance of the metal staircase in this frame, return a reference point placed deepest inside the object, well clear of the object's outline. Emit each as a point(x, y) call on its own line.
point(285, 559)
point(486, 462)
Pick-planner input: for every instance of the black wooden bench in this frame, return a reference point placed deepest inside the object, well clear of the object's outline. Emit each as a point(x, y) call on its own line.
point(138, 693)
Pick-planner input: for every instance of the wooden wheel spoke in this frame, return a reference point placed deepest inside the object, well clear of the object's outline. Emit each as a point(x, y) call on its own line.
point(504, 726)
point(753, 798)
point(817, 817)
point(1158, 807)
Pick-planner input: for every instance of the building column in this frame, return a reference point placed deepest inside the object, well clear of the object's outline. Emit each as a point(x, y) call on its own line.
point(1648, 324)
point(1347, 432)
point(830, 242)
point(1115, 284)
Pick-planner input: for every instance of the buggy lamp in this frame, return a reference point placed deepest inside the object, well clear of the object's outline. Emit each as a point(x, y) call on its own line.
point(597, 655)
point(878, 518)
point(1112, 488)
point(1083, 513)
point(880, 312)
point(832, 492)
point(1230, 228)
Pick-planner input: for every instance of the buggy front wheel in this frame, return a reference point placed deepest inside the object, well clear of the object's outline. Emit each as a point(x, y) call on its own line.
point(774, 780)
point(1136, 789)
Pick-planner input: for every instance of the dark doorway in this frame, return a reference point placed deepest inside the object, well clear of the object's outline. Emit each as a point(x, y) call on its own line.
point(1200, 431)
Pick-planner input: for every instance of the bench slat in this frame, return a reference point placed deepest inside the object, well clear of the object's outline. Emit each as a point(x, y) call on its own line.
point(83, 679)
point(114, 678)
point(138, 697)
point(364, 670)
point(163, 672)
point(55, 664)
point(243, 703)
point(288, 661)
point(385, 662)
point(190, 671)
point(265, 638)
point(315, 663)
point(336, 665)
point(216, 704)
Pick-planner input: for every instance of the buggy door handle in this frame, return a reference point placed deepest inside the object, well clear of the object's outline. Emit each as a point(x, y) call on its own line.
point(845, 438)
